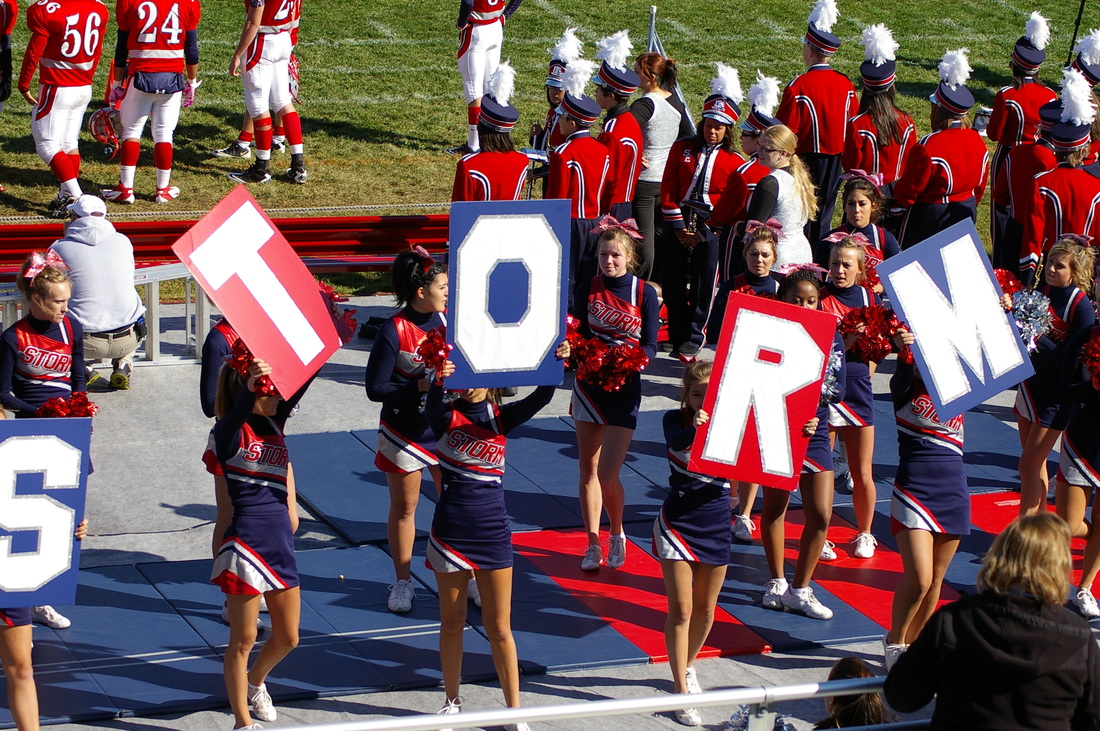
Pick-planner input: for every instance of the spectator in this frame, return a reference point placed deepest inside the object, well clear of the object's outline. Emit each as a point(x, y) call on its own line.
point(104, 301)
point(864, 709)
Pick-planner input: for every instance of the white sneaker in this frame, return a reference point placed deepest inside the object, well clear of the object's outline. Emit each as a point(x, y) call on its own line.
point(450, 708)
point(1086, 603)
point(773, 593)
point(593, 557)
point(616, 552)
point(401, 596)
point(743, 528)
point(251, 725)
point(803, 601)
point(260, 700)
point(164, 195)
point(688, 717)
point(891, 652)
point(118, 194)
point(50, 617)
point(691, 680)
point(473, 593)
point(828, 552)
point(260, 626)
point(865, 545)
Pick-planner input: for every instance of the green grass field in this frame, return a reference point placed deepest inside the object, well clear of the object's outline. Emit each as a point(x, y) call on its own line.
point(381, 95)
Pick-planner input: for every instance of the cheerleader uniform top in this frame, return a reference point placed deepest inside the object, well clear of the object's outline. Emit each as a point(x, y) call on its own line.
point(883, 244)
point(394, 369)
point(922, 436)
point(839, 301)
point(679, 434)
point(748, 283)
point(620, 310)
point(40, 360)
point(1081, 438)
point(1071, 313)
point(251, 453)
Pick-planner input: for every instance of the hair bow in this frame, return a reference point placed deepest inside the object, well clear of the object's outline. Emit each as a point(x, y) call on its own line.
point(753, 225)
point(874, 179)
point(426, 260)
point(39, 262)
point(1079, 239)
point(859, 238)
point(629, 226)
point(788, 269)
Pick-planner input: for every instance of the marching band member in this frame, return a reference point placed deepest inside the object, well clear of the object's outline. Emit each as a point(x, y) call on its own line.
point(621, 133)
point(497, 172)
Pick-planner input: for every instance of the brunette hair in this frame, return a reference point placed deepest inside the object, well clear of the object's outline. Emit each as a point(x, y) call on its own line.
point(229, 386)
point(868, 189)
point(1020, 75)
point(661, 68)
point(884, 113)
point(1082, 261)
point(781, 137)
point(493, 140)
point(1031, 556)
point(865, 709)
point(41, 282)
point(411, 271)
point(729, 139)
point(622, 238)
point(761, 235)
point(695, 372)
point(850, 243)
point(941, 118)
point(792, 280)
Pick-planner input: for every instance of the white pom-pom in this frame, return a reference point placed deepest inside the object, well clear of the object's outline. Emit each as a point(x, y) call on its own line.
point(824, 15)
point(879, 45)
point(1089, 47)
point(502, 84)
point(764, 94)
point(727, 83)
point(576, 76)
point(1037, 31)
point(1076, 98)
point(568, 47)
point(955, 67)
point(615, 49)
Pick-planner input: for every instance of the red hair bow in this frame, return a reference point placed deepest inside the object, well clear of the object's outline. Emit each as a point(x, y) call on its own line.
point(608, 222)
point(859, 238)
point(39, 262)
point(788, 269)
point(426, 260)
point(874, 179)
point(772, 223)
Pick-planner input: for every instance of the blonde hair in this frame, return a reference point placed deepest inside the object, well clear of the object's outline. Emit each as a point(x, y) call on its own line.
point(1032, 556)
point(850, 243)
point(41, 282)
point(695, 372)
point(622, 238)
point(762, 235)
point(1082, 261)
point(225, 395)
point(782, 138)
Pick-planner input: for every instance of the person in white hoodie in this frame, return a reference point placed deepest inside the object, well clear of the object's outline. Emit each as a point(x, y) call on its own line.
point(104, 301)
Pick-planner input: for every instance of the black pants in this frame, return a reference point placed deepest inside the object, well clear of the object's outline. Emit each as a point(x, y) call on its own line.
point(647, 214)
point(924, 220)
point(825, 171)
point(689, 285)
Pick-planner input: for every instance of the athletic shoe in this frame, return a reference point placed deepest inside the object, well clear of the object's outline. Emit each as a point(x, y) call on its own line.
point(452, 707)
point(691, 679)
point(473, 593)
point(164, 195)
point(828, 551)
point(252, 725)
point(803, 601)
point(689, 350)
point(120, 379)
point(256, 173)
point(296, 173)
point(459, 151)
point(593, 557)
point(260, 626)
point(90, 375)
point(773, 594)
point(59, 206)
point(118, 194)
point(235, 150)
point(401, 596)
point(260, 700)
point(865, 545)
point(688, 717)
point(842, 475)
point(49, 616)
point(665, 347)
point(616, 552)
point(743, 528)
point(1086, 603)
point(278, 144)
point(891, 652)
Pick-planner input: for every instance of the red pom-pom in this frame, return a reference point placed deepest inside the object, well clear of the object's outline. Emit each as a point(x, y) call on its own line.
point(875, 329)
point(81, 405)
point(433, 351)
point(55, 408)
point(871, 278)
point(1090, 358)
point(1008, 281)
point(240, 360)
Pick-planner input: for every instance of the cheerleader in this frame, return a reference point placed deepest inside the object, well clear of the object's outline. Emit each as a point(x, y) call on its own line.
point(396, 377)
point(257, 516)
point(470, 532)
point(944, 175)
point(1015, 120)
point(930, 506)
point(547, 136)
point(785, 194)
point(1040, 409)
point(853, 417)
point(691, 540)
point(619, 308)
point(697, 175)
point(497, 172)
point(880, 136)
point(863, 209)
point(800, 288)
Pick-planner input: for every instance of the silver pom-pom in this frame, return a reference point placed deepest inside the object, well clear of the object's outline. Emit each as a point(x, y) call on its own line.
point(1032, 312)
point(830, 390)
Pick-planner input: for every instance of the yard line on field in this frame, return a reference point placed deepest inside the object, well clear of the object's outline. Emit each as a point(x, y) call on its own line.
point(681, 29)
point(563, 17)
point(385, 30)
point(777, 29)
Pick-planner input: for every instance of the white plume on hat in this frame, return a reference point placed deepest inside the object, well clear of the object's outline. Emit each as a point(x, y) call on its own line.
point(879, 45)
point(727, 83)
point(502, 84)
point(568, 47)
point(1076, 98)
point(1037, 31)
point(576, 77)
point(955, 67)
point(824, 15)
point(1089, 47)
point(764, 94)
point(615, 49)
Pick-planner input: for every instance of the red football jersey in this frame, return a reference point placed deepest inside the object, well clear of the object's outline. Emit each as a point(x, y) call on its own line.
point(66, 42)
point(686, 173)
point(1015, 182)
point(157, 32)
point(1064, 200)
point(817, 105)
point(278, 15)
point(1015, 117)
point(485, 12)
point(863, 149)
point(623, 138)
point(578, 172)
point(9, 12)
point(490, 176)
point(946, 166)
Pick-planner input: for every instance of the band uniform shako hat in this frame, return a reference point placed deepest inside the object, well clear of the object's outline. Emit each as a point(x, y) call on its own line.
point(952, 94)
point(763, 95)
point(614, 74)
point(1049, 115)
point(565, 51)
point(1074, 126)
point(1029, 52)
point(1087, 58)
point(879, 69)
point(575, 105)
point(725, 96)
point(496, 112)
point(819, 31)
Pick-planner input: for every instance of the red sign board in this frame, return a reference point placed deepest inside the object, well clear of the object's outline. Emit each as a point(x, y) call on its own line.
point(261, 285)
point(768, 371)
